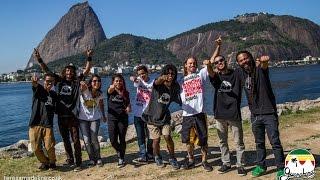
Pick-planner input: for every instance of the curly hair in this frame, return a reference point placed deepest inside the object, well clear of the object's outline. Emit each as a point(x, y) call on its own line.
point(185, 62)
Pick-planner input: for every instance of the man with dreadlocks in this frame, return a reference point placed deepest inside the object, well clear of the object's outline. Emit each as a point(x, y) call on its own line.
point(68, 91)
point(262, 104)
point(157, 115)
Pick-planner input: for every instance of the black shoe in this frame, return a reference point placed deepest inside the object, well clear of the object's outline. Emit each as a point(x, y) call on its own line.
point(158, 161)
point(150, 157)
point(241, 171)
point(140, 160)
point(52, 166)
point(188, 164)
point(223, 169)
point(43, 166)
point(174, 163)
point(69, 162)
point(77, 169)
point(206, 166)
point(121, 163)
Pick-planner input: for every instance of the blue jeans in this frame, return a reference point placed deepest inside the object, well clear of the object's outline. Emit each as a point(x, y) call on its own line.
point(142, 134)
point(89, 130)
point(262, 124)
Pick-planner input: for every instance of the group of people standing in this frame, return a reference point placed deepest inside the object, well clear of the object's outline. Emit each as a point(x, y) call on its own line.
point(80, 106)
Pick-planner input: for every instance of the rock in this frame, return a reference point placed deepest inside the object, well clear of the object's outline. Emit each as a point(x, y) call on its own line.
point(178, 128)
point(59, 148)
point(131, 134)
point(104, 144)
point(78, 29)
point(101, 139)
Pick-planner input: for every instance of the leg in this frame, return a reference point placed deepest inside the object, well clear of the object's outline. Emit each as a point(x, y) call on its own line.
point(237, 132)
point(85, 130)
point(258, 129)
point(64, 132)
point(94, 129)
point(74, 128)
point(149, 140)
point(139, 125)
point(272, 128)
point(122, 126)
point(49, 143)
point(201, 130)
point(166, 132)
point(222, 129)
point(113, 134)
point(35, 137)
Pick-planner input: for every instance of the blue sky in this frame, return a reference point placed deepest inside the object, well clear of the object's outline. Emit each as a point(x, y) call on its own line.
point(25, 23)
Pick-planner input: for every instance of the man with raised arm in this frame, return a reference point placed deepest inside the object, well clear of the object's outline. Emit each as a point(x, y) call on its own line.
point(68, 106)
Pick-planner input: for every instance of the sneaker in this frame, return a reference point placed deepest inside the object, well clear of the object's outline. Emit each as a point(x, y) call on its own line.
point(121, 163)
point(43, 166)
point(77, 169)
point(52, 166)
point(158, 161)
point(69, 162)
point(258, 171)
point(206, 166)
point(188, 164)
point(280, 173)
point(140, 160)
point(91, 163)
point(223, 169)
point(150, 157)
point(99, 163)
point(174, 163)
point(241, 171)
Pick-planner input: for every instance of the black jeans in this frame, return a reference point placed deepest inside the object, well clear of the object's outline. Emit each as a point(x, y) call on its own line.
point(70, 126)
point(260, 125)
point(142, 134)
point(117, 129)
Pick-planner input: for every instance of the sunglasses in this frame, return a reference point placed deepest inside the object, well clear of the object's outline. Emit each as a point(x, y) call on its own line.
point(218, 61)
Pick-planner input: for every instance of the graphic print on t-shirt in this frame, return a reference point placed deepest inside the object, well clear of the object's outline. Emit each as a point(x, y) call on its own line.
point(164, 99)
point(90, 103)
point(225, 86)
point(143, 96)
point(49, 101)
point(117, 98)
point(66, 90)
point(192, 86)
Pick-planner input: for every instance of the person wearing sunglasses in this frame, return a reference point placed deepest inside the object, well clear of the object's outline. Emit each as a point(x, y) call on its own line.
point(41, 121)
point(68, 90)
point(157, 114)
point(227, 112)
point(91, 112)
point(144, 87)
point(263, 108)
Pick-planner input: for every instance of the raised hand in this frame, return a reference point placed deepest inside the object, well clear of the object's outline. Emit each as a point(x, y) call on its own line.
point(133, 78)
point(206, 62)
point(218, 41)
point(34, 79)
point(264, 59)
point(165, 77)
point(36, 53)
point(83, 85)
point(89, 52)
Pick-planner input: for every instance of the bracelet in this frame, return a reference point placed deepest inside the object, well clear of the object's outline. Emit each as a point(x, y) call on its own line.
point(89, 58)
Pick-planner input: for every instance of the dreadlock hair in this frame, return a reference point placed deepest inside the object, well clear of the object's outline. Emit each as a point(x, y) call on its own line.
point(185, 73)
point(124, 90)
point(252, 74)
point(72, 68)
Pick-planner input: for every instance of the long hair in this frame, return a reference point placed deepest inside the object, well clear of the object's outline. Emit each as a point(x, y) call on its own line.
point(252, 73)
point(165, 70)
point(124, 90)
point(185, 72)
point(90, 82)
point(72, 68)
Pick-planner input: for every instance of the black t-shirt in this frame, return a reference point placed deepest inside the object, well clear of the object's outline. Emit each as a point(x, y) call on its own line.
point(157, 112)
point(117, 105)
point(259, 92)
point(68, 93)
point(43, 107)
point(227, 95)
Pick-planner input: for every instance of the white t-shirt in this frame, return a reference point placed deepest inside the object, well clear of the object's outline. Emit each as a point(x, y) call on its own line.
point(142, 97)
point(192, 92)
point(89, 107)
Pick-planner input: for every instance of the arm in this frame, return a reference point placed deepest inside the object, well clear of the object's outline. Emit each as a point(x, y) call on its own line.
point(128, 109)
point(43, 66)
point(135, 81)
point(211, 72)
point(160, 80)
point(111, 89)
point(89, 54)
point(101, 106)
point(83, 86)
point(34, 80)
point(217, 50)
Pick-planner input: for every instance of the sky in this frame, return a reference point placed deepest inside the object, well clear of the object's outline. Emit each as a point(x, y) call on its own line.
point(25, 23)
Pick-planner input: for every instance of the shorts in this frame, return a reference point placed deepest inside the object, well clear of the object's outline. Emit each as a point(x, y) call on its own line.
point(195, 125)
point(156, 131)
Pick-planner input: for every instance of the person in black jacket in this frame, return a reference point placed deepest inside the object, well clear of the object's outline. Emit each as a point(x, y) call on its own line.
point(68, 89)
point(41, 121)
point(262, 104)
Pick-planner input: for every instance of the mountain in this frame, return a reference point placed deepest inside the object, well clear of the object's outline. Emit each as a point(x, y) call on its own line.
point(281, 37)
point(78, 29)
